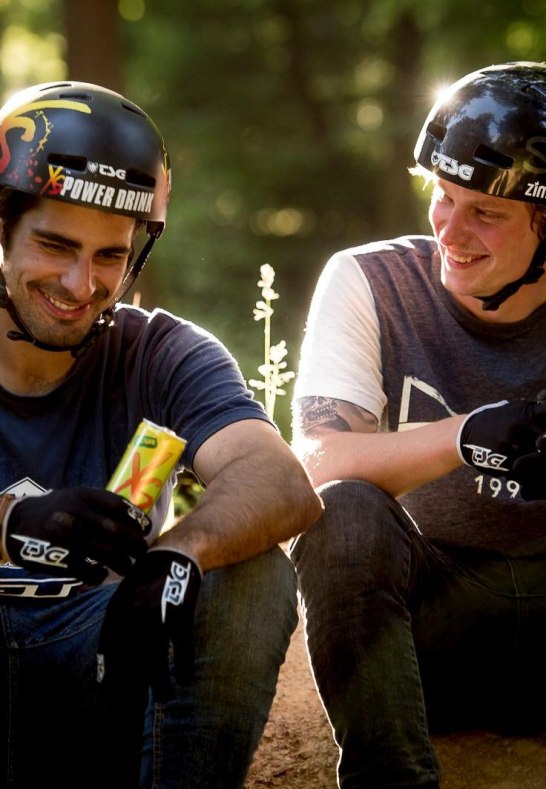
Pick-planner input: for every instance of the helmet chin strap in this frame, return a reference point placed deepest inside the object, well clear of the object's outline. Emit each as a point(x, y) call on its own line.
point(532, 275)
point(139, 264)
point(104, 321)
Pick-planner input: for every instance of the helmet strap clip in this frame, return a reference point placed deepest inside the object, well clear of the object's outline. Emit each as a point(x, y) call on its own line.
point(532, 275)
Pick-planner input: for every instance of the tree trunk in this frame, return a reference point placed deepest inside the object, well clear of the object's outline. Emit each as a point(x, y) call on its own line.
point(94, 42)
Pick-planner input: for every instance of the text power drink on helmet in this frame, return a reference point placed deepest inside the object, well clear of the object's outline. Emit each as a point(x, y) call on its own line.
point(147, 464)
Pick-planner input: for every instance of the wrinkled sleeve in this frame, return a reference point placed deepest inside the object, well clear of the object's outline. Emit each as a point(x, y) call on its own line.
point(340, 354)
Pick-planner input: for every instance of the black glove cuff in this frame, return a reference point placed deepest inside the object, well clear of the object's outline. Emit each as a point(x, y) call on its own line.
point(182, 580)
point(477, 455)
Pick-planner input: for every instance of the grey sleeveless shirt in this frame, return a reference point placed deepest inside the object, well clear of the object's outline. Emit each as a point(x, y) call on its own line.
point(437, 360)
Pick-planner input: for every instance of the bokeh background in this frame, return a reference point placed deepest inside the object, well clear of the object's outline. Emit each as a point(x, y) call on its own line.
point(290, 125)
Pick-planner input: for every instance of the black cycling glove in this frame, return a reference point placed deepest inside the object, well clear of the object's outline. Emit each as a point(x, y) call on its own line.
point(530, 472)
point(77, 532)
point(492, 438)
point(151, 609)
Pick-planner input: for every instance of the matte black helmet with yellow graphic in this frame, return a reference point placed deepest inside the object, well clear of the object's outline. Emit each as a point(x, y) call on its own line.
point(85, 144)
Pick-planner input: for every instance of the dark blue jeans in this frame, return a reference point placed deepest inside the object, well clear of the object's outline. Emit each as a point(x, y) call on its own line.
point(55, 731)
point(407, 639)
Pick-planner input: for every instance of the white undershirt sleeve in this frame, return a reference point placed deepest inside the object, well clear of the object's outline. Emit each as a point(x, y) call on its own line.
point(340, 353)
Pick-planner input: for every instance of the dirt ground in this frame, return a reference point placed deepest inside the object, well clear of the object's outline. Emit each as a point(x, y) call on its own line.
point(297, 750)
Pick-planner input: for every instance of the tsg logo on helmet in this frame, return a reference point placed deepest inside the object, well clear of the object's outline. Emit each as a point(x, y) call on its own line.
point(106, 169)
point(451, 166)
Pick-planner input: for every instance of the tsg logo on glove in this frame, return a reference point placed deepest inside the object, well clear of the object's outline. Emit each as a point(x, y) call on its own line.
point(35, 550)
point(485, 458)
point(175, 587)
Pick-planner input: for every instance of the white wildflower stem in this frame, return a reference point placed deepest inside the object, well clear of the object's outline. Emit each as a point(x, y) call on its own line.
point(270, 384)
point(273, 378)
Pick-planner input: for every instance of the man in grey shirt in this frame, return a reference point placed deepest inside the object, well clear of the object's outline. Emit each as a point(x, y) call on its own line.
point(417, 410)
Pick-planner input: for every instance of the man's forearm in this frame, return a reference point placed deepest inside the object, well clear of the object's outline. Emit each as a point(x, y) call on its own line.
point(395, 462)
point(255, 503)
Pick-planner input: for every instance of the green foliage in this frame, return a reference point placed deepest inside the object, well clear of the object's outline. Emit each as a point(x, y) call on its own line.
point(186, 495)
point(291, 125)
point(32, 42)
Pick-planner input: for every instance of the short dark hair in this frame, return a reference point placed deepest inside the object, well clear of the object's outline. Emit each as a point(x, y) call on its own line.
point(13, 204)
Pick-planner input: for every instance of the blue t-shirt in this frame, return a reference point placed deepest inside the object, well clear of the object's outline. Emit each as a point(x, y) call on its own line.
point(148, 365)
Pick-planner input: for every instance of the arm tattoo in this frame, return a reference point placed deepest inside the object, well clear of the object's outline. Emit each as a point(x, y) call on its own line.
point(316, 412)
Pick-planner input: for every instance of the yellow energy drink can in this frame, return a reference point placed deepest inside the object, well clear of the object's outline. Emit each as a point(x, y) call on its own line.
point(146, 465)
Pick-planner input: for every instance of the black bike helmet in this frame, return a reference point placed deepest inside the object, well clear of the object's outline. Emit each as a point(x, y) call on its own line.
point(84, 144)
point(488, 133)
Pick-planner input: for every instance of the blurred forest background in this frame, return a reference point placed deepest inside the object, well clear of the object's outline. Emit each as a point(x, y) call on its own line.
point(290, 125)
